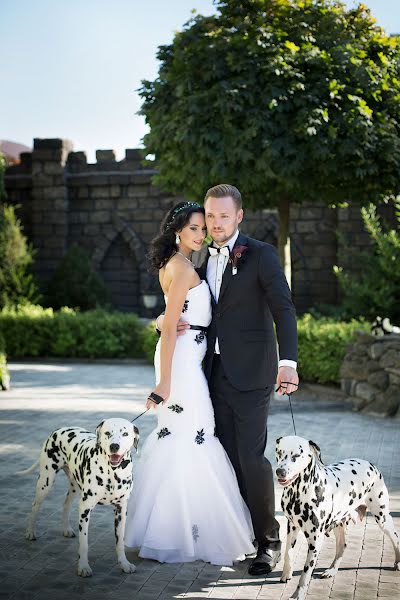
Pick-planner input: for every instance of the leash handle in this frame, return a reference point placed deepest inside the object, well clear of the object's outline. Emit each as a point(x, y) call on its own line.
point(290, 401)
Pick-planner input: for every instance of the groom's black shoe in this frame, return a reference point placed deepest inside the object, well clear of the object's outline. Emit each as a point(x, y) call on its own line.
point(265, 561)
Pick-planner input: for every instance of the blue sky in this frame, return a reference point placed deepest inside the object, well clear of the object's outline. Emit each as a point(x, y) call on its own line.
point(71, 68)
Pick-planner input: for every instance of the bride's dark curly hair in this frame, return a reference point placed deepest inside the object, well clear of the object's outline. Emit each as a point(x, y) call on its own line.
point(163, 246)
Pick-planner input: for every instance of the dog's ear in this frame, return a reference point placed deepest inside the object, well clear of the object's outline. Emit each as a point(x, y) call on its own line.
point(316, 450)
point(98, 430)
point(136, 437)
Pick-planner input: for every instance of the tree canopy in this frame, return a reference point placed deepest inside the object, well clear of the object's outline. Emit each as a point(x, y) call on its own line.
point(290, 100)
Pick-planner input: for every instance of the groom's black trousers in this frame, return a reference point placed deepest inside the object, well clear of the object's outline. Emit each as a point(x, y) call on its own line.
point(241, 426)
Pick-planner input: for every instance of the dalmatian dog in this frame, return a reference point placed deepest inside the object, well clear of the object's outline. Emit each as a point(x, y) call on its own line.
point(99, 466)
point(318, 499)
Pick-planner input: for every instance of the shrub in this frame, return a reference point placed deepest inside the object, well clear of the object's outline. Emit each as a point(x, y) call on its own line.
point(75, 283)
point(4, 374)
point(375, 290)
point(16, 256)
point(149, 341)
point(322, 346)
point(32, 331)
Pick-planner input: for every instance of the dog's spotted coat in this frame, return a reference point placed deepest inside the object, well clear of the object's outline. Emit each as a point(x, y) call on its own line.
point(99, 466)
point(318, 499)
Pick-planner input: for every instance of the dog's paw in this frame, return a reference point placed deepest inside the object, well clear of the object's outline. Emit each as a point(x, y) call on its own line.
point(397, 565)
point(328, 573)
point(30, 535)
point(84, 570)
point(69, 533)
point(285, 577)
point(127, 567)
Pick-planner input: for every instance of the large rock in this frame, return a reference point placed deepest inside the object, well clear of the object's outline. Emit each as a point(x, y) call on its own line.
point(390, 359)
point(370, 374)
point(376, 350)
point(365, 391)
point(354, 369)
point(379, 379)
point(386, 403)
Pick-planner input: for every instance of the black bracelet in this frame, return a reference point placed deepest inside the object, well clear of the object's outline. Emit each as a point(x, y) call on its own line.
point(156, 398)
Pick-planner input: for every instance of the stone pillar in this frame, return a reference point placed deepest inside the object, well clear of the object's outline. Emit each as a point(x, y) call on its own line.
point(49, 204)
point(314, 252)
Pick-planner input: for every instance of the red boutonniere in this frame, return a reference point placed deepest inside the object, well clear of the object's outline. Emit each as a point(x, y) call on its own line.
point(236, 254)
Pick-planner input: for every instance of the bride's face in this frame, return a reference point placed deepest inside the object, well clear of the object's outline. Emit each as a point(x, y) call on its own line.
point(194, 232)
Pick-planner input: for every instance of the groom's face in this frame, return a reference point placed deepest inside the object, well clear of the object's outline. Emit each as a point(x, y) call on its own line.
point(222, 218)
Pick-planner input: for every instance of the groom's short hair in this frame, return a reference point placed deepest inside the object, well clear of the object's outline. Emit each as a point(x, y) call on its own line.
point(225, 189)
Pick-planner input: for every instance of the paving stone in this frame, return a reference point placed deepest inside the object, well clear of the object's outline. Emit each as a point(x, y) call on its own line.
point(47, 395)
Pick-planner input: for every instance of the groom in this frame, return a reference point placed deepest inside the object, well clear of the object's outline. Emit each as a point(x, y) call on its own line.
point(249, 294)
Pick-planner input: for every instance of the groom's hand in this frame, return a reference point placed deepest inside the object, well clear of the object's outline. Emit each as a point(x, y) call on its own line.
point(287, 380)
point(180, 329)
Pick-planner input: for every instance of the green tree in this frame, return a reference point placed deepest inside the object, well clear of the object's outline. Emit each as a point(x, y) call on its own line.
point(291, 100)
point(17, 285)
point(375, 290)
point(75, 283)
point(3, 194)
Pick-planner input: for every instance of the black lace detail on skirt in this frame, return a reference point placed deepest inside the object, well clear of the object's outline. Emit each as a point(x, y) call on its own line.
point(185, 306)
point(163, 432)
point(176, 408)
point(195, 532)
point(200, 337)
point(199, 439)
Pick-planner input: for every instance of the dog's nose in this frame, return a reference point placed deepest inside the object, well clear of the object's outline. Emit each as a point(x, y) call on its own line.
point(114, 447)
point(281, 473)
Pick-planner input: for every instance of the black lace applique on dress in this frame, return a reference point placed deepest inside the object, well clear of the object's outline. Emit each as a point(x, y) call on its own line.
point(195, 532)
point(163, 432)
point(185, 306)
point(176, 408)
point(200, 337)
point(199, 439)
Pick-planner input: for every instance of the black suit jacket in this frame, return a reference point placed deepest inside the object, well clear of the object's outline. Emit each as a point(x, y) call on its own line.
point(243, 318)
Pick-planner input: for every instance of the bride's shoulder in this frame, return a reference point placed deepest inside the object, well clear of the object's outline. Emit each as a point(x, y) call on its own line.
point(179, 267)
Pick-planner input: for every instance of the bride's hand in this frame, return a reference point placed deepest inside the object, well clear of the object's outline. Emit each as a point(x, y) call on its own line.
point(162, 390)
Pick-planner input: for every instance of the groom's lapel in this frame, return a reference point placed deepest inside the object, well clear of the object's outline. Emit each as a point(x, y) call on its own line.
point(201, 262)
point(227, 276)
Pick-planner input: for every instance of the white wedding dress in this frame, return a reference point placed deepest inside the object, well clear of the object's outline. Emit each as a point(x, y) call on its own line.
point(186, 503)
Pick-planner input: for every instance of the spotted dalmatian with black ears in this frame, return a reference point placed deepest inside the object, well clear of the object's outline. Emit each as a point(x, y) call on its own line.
point(318, 499)
point(99, 466)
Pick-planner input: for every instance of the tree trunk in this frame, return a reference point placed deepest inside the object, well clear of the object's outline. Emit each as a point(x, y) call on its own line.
point(283, 237)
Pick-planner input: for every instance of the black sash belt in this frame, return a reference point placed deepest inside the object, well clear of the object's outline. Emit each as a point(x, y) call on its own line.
point(199, 328)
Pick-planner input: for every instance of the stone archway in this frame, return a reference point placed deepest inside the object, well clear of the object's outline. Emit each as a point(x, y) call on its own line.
point(121, 262)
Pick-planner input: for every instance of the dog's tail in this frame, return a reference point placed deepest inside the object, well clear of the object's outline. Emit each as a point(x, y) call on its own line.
point(32, 468)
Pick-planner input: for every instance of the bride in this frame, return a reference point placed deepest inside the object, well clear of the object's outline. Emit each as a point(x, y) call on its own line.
point(186, 503)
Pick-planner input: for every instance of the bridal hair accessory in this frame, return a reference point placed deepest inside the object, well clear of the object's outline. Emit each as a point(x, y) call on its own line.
point(177, 239)
point(184, 207)
point(236, 254)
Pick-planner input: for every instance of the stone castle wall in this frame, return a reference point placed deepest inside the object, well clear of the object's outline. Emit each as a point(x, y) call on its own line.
point(113, 210)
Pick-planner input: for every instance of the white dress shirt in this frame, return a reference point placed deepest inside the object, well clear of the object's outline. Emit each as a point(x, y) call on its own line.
point(215, 269)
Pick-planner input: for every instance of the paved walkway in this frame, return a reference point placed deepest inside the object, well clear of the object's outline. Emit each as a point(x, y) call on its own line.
point(46, 396)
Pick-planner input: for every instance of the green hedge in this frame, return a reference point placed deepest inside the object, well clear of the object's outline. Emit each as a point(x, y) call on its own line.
point(322, 346)
point(4, 374)
point(150, 338)
point(32, 331)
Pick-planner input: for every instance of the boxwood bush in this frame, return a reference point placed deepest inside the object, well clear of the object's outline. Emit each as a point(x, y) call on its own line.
point(4, 374)
point(31, 331)
point(322, 346)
